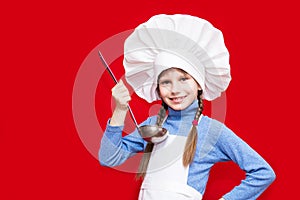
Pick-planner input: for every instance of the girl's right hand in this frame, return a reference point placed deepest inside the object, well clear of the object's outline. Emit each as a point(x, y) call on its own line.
point(121, 95)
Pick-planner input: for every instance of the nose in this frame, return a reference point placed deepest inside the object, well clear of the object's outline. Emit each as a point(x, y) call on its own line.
point(175, 88)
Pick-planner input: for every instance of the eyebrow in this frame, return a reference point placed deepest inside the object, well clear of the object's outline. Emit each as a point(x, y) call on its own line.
point(186, 75)
point(161, 80)
point(183, 75)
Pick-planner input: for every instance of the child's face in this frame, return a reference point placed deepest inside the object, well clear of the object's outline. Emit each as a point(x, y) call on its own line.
point(177, 88)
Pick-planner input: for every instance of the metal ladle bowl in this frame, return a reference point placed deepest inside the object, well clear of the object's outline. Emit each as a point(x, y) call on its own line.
point(153, 133)
point(150, 133)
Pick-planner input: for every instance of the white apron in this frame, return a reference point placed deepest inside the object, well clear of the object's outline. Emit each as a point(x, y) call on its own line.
point(166, 177)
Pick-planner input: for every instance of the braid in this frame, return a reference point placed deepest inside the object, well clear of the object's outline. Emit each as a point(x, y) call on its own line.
point(161, 114)
point(200, 101)
point(191, 143)
point(145, 161)
point(147, 152)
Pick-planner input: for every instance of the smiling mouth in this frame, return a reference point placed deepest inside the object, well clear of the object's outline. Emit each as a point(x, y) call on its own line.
point(177, 99)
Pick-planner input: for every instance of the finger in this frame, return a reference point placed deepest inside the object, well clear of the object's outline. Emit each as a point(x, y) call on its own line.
point(120, 87)
point(125, 101)
point(120, 92)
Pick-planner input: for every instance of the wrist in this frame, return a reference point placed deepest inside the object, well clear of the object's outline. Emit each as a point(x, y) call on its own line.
point(118, 116)
point(121, 108)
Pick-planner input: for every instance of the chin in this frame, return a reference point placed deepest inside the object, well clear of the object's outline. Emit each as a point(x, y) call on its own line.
point(179, 107)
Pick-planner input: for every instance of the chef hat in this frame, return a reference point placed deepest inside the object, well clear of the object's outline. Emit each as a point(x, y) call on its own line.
point(181, 41)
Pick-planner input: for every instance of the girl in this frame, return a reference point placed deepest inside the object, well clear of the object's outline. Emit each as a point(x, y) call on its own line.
point(180, 60)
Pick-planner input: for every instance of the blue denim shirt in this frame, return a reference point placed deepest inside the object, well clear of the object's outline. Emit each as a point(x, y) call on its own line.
point(216, 143)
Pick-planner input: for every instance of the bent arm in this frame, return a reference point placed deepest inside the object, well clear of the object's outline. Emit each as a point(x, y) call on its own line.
point(115, 149)
point(259, 174)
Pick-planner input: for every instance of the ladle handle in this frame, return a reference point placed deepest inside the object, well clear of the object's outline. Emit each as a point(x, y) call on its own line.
point(115, 80)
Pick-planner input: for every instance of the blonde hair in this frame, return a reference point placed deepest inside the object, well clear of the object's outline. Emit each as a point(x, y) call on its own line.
point(149, 147)
point(191, 142)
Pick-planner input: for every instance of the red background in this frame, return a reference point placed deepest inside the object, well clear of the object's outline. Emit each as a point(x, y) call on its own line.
point(43, 45)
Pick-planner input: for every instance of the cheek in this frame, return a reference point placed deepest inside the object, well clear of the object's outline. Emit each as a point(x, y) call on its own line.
point(194, 89)
point(161, 91)
point(196, 94)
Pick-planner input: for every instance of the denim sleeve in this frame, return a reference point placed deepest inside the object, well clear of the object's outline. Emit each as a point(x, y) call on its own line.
point(115, 149)
point(259, 174)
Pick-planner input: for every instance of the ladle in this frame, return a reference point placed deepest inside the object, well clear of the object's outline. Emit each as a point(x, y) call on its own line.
point(150, 133)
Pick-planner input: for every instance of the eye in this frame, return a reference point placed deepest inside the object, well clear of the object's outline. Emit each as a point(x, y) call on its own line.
point(184, 78)
point(166, 82)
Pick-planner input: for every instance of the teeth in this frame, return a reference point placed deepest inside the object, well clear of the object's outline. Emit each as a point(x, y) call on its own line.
point(177, 99)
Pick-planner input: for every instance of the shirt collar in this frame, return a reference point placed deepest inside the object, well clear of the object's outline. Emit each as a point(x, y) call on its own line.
point(189, 111)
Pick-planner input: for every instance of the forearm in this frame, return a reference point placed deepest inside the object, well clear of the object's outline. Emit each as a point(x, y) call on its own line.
point(115, 149)
point(110, 146)
point(259, 174)
point(253, 185)
point(118, 117)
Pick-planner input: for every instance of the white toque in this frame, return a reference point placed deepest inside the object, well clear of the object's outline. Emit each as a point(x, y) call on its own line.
point(182, 41)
